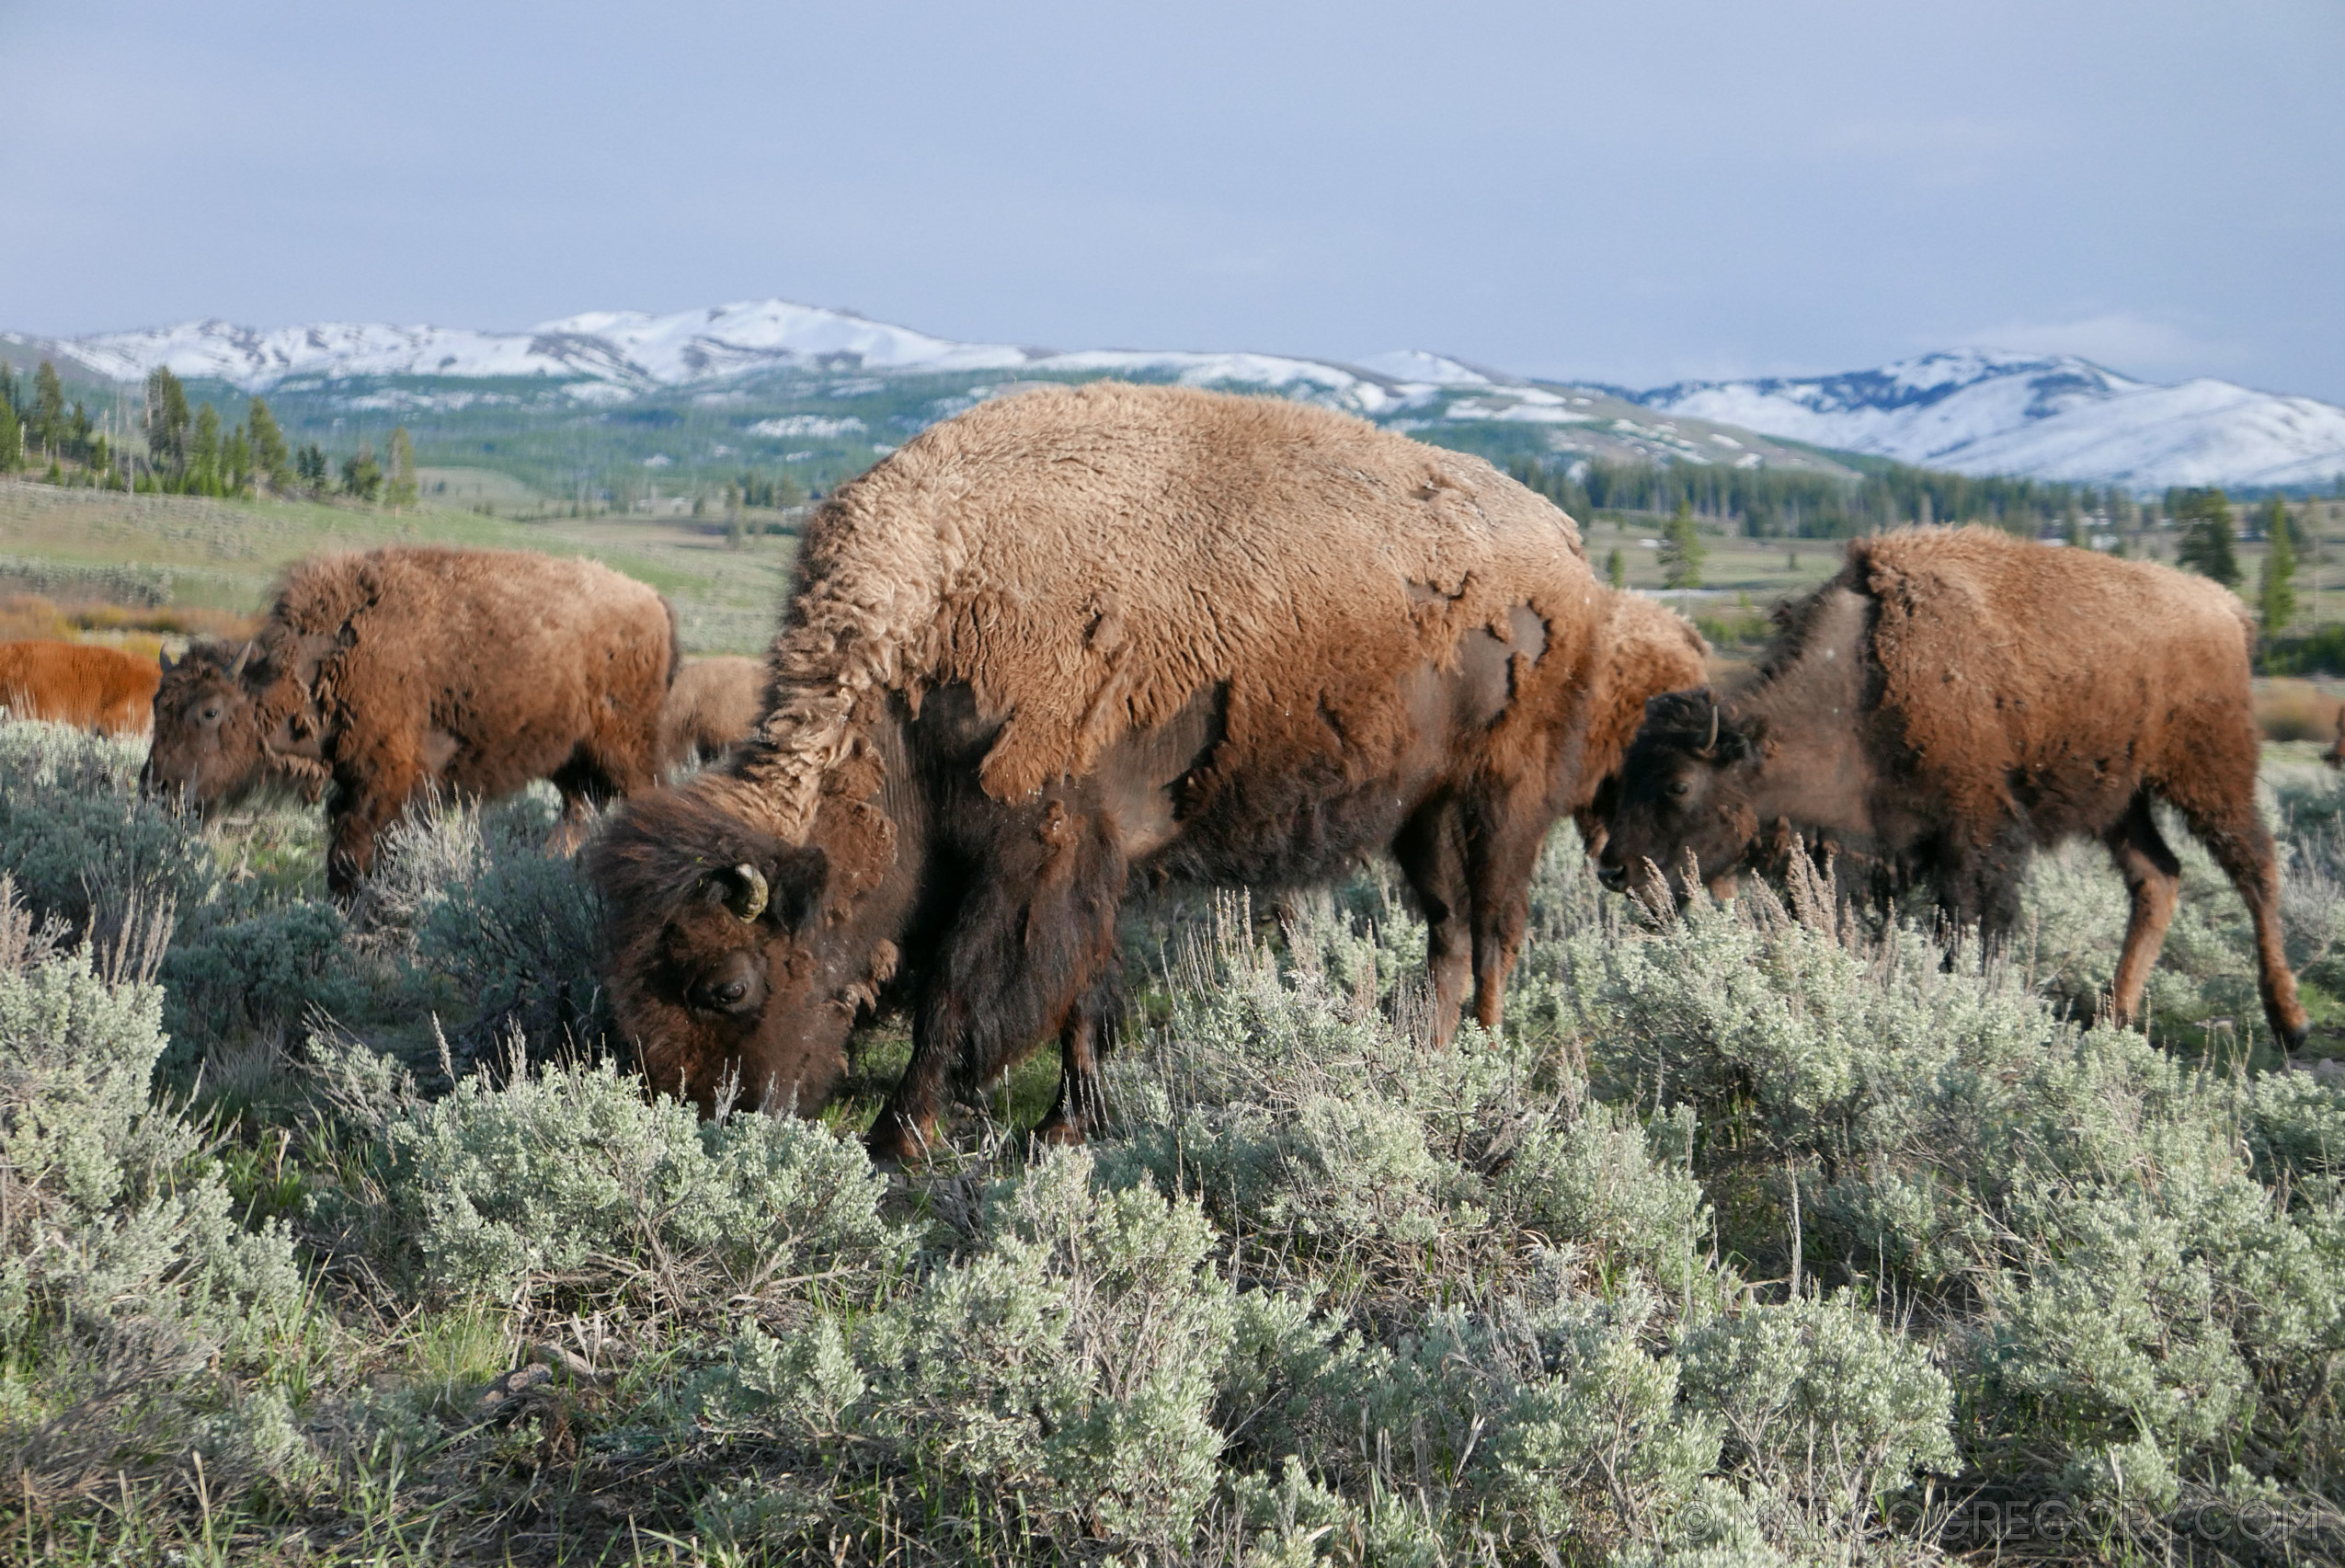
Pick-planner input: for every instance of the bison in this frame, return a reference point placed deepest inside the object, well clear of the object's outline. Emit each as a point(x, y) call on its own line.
point(390, 674)
point(713, 706)
point(1647, 650)
point(1955, 698)
point(1075, 635)
point(89, 687)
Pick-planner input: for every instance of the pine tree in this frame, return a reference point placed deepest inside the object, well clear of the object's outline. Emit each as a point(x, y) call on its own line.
point(361, 475)
point(1615, 569)
point(399, 480)
point(12, 438)
point(203, 455)
point(309, 463)
point(235, 462)
point(1682, 552)
point(2208, 541)
point(46, 429)
point(270, 461)
point(167, 425)
point(2275, 589)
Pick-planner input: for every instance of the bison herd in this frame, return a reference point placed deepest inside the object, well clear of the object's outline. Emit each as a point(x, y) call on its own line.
point(1087, 638)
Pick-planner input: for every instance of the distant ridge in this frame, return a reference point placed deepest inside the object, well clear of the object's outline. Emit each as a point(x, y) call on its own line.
point(2051, 417)
point(1972, 410)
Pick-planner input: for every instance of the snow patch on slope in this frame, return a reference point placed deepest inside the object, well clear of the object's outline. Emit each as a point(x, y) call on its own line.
point(2056, 417)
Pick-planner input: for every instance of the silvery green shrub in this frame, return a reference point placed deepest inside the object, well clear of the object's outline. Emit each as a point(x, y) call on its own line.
point(124, 1272)
point(566, 1182)
point(2126, 1257)
point(484, 907)
point(270, 970)
point(1292, 1092)
point(81, 843)
point(1066, 1369)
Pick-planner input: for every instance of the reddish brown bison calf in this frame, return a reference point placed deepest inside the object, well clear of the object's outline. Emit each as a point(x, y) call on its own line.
point(89, 687)
point(1074, 636)
point(1954, 699)
point(382, 676)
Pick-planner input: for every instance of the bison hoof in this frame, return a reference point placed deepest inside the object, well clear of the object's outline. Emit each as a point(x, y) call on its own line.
point(1055, 1131)
point(896, 1143)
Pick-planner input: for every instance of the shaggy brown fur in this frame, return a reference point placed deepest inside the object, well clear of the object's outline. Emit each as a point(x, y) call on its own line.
point(89, 687)
point(713, 708)
point(403, 670)
point(1077, 633)
point(1648, 649)
point(1954, 699)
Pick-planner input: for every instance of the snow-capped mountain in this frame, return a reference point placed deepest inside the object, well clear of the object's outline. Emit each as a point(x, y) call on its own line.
point(2052, 416)
point(1977, 411)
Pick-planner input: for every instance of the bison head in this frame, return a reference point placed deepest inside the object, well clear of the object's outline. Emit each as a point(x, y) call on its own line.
point(1685, 789)
point(207, 726)
point(723, 962)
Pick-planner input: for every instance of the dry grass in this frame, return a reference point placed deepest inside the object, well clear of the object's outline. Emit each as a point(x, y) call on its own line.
point(26, 617)
point(2288, 708)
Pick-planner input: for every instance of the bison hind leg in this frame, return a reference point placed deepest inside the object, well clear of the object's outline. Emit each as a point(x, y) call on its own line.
point(2235, 835)
point(2153, 883)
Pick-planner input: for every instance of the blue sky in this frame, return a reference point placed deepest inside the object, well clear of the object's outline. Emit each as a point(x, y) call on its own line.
point(1637, 193)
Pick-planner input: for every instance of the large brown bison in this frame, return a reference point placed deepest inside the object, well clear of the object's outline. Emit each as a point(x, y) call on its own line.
point(713, 706)
point(1069, 636)
point(386, 675)
point(75, 683)
point(1647, 650)
point(1954, 699)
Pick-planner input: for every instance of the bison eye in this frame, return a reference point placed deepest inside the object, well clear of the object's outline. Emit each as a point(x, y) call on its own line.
point(1680, 788)
point(211, 713)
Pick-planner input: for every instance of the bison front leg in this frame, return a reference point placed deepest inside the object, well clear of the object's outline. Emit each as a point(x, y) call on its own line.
point(358, 819)
point(2154, 882)
point(1502, 854)
point(1431, 848)
point(1032, 938)
point(1082, 1104)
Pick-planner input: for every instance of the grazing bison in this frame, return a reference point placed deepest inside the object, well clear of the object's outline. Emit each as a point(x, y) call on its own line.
point(393, 673)
point(1955, 698)
point(1076, 634)
point(75, 683)
point(713, 708)
point(1648, 649)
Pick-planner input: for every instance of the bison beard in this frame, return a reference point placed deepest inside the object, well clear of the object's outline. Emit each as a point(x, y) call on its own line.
point(1954, 700)
point(1013, 677)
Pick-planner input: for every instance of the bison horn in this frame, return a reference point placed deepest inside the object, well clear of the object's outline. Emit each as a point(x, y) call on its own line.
point(1712, 745)
point(748, 894)
point(244, 657)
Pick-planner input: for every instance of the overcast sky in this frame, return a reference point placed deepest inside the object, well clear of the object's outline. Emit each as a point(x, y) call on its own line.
point(1636, 192)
